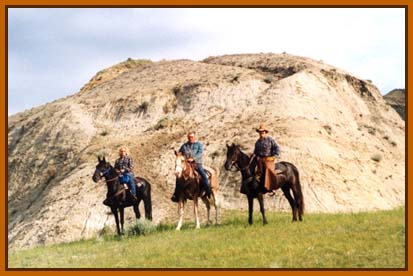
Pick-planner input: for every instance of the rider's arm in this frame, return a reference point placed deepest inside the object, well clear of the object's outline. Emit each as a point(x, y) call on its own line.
point(130, 166)
point(198, 153)
point(275, 149)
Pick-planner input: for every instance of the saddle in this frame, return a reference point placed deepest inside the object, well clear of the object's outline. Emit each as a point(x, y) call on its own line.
point(280, 167)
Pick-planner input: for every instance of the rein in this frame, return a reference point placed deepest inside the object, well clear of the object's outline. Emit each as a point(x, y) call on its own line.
point(118, 192)
point(246, 167)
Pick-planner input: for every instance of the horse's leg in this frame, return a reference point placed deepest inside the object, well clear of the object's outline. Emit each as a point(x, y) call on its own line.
point(121, 210)
point(208, 207)
point(115, 214)
point(250, 208)
point(181, 214)
point(286, 191)
point(216, 209)
point(262, 209)
point(197, 225)
point(136, 209)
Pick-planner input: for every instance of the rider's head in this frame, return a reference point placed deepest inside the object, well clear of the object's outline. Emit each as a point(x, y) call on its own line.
point(262, 130)
point(191, 137)
point(123, 151)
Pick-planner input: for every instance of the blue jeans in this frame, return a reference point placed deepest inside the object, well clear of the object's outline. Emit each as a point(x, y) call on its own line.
point(204, 177)
point(130, 180)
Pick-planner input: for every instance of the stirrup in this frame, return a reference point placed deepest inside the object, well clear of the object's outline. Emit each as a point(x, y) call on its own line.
point(271, 193)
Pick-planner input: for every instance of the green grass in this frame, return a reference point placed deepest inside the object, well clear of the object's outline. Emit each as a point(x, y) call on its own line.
point(362, 240)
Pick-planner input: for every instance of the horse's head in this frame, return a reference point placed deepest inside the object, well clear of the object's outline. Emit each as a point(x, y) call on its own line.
point(179, 163)
point(102, 169)
point(233, 154)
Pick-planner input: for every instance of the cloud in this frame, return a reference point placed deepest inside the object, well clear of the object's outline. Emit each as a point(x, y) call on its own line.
point(54, 52)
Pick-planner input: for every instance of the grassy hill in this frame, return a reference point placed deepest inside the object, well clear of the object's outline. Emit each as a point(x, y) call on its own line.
point(362, 240)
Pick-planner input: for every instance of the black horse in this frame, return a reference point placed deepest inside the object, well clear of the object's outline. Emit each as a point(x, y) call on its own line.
point(118, 197)
point(288, 180)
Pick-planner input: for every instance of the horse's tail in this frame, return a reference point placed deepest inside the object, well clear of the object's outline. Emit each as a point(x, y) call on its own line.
point(214, 177)
point(298, 190)
point(148, 202)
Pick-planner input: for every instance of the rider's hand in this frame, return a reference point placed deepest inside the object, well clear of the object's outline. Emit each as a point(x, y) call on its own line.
point(190, 160)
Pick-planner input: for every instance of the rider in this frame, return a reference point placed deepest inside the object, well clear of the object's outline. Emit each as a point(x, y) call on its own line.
point(266, 150)
point(192, 150)
point(124, 164)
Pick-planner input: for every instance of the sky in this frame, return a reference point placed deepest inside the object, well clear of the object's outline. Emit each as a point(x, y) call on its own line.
point(52, 53)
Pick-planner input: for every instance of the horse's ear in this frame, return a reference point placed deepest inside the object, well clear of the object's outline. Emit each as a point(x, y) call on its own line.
point(227, 145)
point(233, 144)
point(176, 153)
point(99, 158)
point(104, 159)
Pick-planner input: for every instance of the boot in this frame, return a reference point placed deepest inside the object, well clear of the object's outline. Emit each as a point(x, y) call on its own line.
point(208, 192)
point(134, 198)
point(174, 198)
point(106, 202)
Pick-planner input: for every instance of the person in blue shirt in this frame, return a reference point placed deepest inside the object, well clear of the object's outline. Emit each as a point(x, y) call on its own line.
point(192, 150)
point(266, 151)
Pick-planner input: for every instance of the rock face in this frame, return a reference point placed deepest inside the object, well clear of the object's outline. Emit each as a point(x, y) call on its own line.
point(397, 99)
point(347, 143)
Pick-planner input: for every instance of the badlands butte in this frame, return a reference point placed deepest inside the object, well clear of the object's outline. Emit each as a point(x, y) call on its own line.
point(347, 142)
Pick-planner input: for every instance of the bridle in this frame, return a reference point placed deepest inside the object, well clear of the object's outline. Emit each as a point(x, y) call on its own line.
point(235, 164)
point(183, 166)
point(105, 173)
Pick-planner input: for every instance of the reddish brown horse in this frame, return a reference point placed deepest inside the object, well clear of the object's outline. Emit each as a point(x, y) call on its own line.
point(288, 180)
point(188, 187)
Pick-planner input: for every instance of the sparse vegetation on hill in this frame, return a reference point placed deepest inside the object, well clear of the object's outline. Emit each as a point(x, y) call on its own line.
point(397, 99)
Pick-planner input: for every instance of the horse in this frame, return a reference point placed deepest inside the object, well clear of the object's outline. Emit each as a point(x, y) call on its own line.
point(188, 187)
point(117, 196)
point(287, 180)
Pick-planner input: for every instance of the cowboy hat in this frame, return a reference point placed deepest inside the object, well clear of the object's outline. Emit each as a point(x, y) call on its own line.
point(262, 127)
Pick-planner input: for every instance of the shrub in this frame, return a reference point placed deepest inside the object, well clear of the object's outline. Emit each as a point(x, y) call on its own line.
point(142, 227)
point(170, 106)
point(104, 132)
point(268, 79)
point(328, 129)
point(371, 130)
point(376, 157)
point(166, 122)
point(214, 154)
point(142, 108)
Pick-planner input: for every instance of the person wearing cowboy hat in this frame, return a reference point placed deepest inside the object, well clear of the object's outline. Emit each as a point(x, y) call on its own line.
point(124, 164)
point(267, 151)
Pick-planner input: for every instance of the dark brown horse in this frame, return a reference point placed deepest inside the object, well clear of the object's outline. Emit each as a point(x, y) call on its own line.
point(118, 197)
point(287, 180)
point(188, 187)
